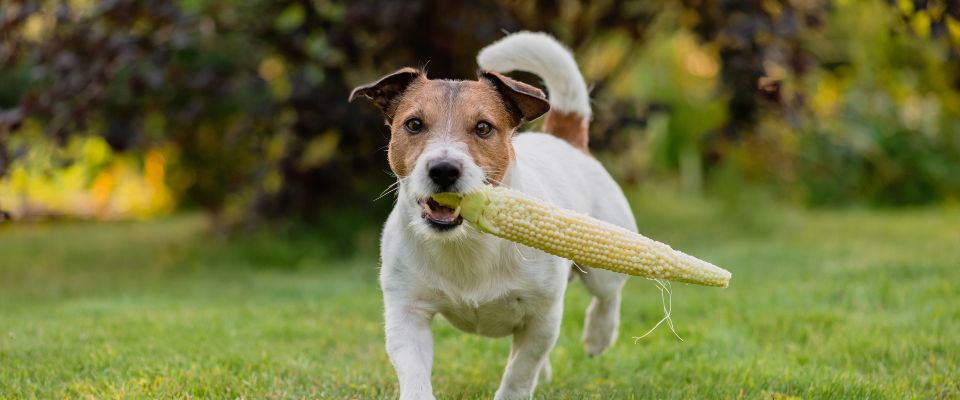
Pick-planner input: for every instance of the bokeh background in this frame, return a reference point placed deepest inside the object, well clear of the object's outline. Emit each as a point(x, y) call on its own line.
point(129, 109)
point(173, 146)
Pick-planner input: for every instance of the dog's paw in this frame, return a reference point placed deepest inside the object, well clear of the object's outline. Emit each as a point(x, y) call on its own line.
point(597, 343)
point(511, 395)
point(600, 330)
point(417, 396)
point(546, 373)
point(416, 392)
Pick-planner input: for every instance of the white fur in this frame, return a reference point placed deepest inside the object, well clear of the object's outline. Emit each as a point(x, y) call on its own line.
point(541, 54)
point(488, 286)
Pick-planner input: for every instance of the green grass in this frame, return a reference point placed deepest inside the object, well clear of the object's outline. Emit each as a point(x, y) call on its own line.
point(842, 304)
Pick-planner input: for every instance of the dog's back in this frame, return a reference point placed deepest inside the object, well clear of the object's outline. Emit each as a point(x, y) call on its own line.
point(571, 179)
point(569, 114)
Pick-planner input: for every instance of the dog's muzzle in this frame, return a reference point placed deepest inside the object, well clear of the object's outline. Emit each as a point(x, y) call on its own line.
point(439, 217)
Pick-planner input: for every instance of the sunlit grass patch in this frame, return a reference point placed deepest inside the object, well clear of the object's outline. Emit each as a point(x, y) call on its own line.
point(851, 304)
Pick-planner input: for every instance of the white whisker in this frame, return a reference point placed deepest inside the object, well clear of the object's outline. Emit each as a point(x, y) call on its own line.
point(392, 188)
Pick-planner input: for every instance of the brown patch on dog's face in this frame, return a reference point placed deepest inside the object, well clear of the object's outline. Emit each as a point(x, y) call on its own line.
point(482, 115)
point(468, 112)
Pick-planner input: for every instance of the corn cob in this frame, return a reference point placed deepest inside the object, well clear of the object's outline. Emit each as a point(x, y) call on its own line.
point(523, 219)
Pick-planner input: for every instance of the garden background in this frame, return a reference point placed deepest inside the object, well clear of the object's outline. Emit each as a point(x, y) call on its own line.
point(189, 207)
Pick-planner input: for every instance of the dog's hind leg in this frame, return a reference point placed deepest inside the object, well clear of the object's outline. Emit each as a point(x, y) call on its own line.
point(603, 315)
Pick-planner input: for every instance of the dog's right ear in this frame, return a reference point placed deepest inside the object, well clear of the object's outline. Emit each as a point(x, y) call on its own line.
point(385, 91)
point(527, 102)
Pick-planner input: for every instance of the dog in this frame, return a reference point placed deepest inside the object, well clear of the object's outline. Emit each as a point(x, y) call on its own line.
point(455, 136)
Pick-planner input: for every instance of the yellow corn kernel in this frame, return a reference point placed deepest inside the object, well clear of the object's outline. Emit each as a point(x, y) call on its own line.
point(532, 222)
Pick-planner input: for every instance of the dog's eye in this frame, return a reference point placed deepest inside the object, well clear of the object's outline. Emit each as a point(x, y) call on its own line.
point(484, 129)
point(414, 125)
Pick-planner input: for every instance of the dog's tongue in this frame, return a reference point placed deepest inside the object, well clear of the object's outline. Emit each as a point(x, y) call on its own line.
point(439, 212)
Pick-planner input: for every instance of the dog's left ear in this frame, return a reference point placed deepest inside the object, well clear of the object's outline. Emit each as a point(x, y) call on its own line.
point(525, 102)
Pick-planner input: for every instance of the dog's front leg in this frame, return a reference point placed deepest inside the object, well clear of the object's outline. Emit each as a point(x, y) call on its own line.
point(528, 353)
point(409, 344)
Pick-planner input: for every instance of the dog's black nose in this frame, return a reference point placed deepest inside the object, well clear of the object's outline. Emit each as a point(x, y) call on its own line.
point(444, 173)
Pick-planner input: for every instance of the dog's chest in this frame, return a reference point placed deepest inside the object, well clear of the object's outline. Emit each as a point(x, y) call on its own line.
point(488, 286)
point(499, 317)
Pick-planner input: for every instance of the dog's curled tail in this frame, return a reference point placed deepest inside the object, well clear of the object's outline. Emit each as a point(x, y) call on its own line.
point(541, 54)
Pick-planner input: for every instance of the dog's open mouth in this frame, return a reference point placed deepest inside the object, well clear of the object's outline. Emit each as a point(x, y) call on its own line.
point(440, 217)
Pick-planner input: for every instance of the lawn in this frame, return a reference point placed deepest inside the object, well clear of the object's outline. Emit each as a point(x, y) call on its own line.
point(823, 304)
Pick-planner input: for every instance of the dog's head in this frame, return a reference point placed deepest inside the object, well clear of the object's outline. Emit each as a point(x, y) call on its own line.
point(449, 135)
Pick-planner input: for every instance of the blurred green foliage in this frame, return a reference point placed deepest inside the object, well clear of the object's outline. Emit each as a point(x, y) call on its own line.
point(819, 102)
point(883, 120)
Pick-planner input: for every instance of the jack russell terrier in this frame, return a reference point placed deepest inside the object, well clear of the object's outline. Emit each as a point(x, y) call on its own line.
point(454, 136)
